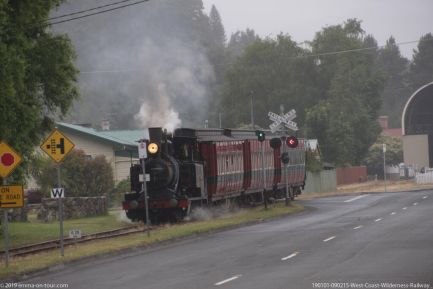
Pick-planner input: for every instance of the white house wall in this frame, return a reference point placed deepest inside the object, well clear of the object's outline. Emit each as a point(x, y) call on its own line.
point(94, 147)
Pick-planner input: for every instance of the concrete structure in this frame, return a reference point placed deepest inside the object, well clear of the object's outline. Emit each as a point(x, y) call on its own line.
point(417, 124)
point(120, 147)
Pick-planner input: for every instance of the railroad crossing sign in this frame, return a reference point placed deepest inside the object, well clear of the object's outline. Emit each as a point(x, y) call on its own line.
point(57, 146)
point(9, 159)
point(284, 120)
point(11, 197)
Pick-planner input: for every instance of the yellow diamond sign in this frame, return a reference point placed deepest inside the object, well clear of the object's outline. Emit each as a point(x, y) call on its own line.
point(9, 159)
point(57, 146)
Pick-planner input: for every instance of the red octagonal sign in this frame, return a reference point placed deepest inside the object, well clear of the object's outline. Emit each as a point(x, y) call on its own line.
point(7, 159)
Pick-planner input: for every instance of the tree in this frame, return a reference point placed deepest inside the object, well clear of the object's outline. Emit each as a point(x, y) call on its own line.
point(394, 67)
point(270, 73)
point(81, 176)
point(239, 41)
point(394, 154)
point(344, 121)
point(421, 67)
point(38, 77)
point(218, 33)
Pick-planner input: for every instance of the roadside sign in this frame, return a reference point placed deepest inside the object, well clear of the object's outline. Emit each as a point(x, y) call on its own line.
point(57, 146)
point(11, 197)
point(57, 193)
point(75, 234)
point(142, 150)
point(9, 160)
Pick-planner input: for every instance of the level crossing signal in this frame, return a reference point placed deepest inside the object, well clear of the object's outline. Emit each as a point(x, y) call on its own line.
point(260, 135)
point(292, 142)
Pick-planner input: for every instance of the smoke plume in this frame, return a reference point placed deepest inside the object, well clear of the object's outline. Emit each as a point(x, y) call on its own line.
point(140, 66)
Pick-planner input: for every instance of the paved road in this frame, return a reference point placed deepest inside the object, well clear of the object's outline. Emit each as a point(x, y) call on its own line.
point(361, 241)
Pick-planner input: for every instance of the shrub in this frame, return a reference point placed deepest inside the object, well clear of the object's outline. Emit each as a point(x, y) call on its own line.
point(80, 175)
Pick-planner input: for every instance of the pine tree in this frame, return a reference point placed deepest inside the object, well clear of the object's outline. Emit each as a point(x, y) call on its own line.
point(421, 68)
point(394, 67)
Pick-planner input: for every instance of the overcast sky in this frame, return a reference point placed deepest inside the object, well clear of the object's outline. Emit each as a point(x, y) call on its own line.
point(406, 20)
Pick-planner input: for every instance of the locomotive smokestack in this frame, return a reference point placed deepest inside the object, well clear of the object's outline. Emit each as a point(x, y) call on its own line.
point(155, 135)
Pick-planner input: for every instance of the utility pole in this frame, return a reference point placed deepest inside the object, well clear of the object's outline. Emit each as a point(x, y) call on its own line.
point(384, 164)
point(252, 110)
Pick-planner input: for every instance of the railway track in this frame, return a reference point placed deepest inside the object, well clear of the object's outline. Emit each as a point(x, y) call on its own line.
point(53, 244)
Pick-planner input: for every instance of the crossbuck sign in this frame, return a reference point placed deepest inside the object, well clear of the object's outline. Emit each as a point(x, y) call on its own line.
point(284, 120)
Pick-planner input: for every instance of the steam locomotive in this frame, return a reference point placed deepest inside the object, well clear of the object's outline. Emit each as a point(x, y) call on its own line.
point(207, 166)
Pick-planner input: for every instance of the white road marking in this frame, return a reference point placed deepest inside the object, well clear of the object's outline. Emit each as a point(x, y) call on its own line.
point(405, 208)
point(290, 256)
point(393, 213)
point(359, 227)
point(415, 204)
point(425, 197)
point(355, 198)
point(227, 280)
point(329, 239)
point(378, 220)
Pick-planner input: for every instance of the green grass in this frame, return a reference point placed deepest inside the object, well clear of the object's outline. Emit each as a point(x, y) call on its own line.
point(34, 231)
point(21, 265)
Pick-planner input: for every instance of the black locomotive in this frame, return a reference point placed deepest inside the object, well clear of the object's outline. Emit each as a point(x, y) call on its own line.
point(207, 166)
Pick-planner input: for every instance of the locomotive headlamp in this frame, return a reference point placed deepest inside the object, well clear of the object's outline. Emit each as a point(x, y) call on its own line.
point(152, 148)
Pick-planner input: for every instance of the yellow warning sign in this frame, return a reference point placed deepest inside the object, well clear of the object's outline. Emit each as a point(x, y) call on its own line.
point(9, 160)
point(11, 197)
point(57, 146)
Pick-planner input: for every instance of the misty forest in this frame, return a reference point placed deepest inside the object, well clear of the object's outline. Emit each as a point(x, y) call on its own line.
point(171, 64)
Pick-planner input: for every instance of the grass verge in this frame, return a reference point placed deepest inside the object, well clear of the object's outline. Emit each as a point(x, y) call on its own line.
point(21, 265)
point(34, 232)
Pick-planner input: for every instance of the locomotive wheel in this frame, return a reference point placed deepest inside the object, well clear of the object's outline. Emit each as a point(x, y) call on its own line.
point(177, 215)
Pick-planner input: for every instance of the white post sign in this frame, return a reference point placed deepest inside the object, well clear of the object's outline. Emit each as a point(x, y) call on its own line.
point(75, 234)
point(142, 150)
point(57, 193)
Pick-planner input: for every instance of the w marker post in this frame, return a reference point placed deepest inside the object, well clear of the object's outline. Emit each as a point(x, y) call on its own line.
point(62, 251)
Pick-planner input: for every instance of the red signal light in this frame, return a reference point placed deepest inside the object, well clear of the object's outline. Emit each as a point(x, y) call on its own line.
point(292, 142)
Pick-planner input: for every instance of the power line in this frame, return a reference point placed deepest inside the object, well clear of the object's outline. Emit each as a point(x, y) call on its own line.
point(96, 13)
point(299, 56)
point(355, 50)
point(87, 10)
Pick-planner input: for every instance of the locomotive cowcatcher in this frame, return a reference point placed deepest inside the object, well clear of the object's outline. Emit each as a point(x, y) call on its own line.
point(206, 166)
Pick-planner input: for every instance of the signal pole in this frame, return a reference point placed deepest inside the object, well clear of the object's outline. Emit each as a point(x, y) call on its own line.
point(142, 154)
point(263, 175)
point(286, 181)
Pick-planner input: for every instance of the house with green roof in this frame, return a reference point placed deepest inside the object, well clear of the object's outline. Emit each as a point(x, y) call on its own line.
point(120, 147)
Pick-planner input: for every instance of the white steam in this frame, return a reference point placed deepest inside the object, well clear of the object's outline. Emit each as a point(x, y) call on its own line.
point(160, 114)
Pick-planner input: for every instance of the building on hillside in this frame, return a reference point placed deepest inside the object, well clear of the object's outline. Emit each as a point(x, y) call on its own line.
point(120, 147)
point(386, 131)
